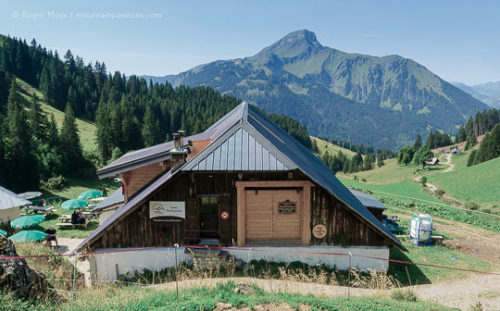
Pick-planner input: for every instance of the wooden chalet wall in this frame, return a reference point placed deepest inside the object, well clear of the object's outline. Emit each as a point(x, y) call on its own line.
point(136, 179)
point(138, 230)
point(343, 226)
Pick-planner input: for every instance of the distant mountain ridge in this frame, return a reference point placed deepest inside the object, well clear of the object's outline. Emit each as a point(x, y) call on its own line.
point(488, 93)
point(381, 101)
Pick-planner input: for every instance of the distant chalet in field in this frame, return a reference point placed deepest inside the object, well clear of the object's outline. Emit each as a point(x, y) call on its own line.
point(244, 182)
point(433, 162)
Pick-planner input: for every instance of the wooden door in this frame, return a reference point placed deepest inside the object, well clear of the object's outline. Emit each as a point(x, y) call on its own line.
point(259, 215)
point(286, 215)
point(266, 220)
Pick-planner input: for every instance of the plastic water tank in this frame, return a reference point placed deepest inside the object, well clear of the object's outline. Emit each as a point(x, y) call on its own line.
point(421, 227)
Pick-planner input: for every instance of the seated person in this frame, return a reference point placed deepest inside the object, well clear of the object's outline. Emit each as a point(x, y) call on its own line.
point(51, 236)
point(75, 217)
point(81, 219)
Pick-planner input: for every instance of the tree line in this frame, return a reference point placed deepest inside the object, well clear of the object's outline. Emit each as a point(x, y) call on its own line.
point(489, 148)
point(129, 112)
point(32, 149)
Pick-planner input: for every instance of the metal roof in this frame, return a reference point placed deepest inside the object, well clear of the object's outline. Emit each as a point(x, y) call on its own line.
point(161, 152)
point(368, 200)
point(9, 199)
point(278, 143)
point(115, 198)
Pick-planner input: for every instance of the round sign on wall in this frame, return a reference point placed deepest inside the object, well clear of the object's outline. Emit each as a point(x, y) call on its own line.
point(319, 231)
point(224, 215)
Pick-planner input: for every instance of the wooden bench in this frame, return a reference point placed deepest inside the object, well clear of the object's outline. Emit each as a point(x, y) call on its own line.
point(438, 239)
point(70, 225)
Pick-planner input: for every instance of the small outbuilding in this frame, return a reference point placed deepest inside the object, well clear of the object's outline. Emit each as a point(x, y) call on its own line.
point(108, 206)
point(10, 205)
point(244, 184)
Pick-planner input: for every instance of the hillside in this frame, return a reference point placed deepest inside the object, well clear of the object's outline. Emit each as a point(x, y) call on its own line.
point(459, 182)
point(324, 146)
point(86, 130)
point(379, 101)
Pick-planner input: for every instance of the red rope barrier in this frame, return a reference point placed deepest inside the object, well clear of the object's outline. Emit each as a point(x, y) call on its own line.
point(251, 250)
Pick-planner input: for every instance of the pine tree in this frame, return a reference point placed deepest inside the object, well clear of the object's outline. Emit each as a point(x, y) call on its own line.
point(380, 160)
point(70, 142)
point(151, 129)
point(418, 143)
point(38, 121)
point(21, 168)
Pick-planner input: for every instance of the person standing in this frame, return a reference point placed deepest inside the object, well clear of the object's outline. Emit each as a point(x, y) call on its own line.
point(51, 236)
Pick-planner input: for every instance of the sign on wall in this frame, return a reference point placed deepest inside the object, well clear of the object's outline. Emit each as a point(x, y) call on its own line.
point(167, 209)
point(287, 207)
point(319, 231)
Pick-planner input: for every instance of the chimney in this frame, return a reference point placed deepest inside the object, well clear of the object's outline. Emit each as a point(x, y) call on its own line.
point(178, 154)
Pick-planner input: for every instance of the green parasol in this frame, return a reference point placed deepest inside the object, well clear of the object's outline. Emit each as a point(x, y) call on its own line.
point(74, 204)
point(90, 194)
point(28, 236)
point(27, 221)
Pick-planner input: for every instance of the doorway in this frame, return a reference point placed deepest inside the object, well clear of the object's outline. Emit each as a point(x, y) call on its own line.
point(209, 217)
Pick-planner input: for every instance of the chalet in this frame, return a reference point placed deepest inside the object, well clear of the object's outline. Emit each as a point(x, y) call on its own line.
point(433, 162)
point(10, 205)
point(244, 183)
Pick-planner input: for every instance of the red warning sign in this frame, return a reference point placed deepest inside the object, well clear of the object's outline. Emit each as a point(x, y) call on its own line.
point(224, 215)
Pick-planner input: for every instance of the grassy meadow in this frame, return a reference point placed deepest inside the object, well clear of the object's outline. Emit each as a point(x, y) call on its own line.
point(86, 130)
point(332, 149)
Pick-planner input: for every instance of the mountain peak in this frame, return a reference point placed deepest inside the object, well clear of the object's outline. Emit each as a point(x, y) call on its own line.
point(302, 35)
point(293, 44)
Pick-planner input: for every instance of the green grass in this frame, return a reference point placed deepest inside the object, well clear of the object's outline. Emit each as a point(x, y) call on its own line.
point(86, 130)
point(392, 172)
point(332, 149)
point(398, 189)
point(71, 191)
point(436, 255)
point(206, 298)
point(479, 183)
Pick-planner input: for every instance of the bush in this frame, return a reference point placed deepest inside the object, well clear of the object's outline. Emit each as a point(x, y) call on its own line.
point(57, 182)
point(363, 179)
point(423, 180)
point(439, 193)
point(404, 295)
point(473, 206)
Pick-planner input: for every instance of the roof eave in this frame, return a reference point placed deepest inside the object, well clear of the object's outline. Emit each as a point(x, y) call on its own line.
point(132, 165)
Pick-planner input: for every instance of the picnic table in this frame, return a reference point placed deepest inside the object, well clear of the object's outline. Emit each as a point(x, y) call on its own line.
point(35, 209)
point(66, 220)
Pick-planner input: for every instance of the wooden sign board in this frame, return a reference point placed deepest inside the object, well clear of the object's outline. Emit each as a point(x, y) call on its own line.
point(287, 207)
point(319, 231)
point(175, 209)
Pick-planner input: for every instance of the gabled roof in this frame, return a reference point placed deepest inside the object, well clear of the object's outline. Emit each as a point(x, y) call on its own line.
point(9, 199)
point(368, 200)
point(274, 142)
point(161, 152)
point(116, 198)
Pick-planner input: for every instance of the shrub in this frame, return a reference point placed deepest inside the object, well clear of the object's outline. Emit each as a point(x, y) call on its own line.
point(363, 179)
point(473, 206)
point(439, 193)
point(404, 295)
point(56, 182)
point(423, 180)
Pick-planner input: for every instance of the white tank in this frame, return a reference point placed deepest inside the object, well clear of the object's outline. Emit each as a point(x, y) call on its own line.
point(420, 227)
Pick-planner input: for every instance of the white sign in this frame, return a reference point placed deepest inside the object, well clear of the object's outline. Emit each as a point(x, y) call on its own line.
point(167, 209)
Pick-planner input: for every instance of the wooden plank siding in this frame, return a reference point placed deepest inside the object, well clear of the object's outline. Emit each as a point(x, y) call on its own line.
point(138, 178)
point(136, 229)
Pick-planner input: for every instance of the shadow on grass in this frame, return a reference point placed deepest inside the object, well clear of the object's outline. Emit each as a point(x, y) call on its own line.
point(405, 274)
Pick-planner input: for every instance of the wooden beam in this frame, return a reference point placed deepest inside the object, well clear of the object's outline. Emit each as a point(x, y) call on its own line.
point(274, 183)
point(306, 215)
point(241, 215)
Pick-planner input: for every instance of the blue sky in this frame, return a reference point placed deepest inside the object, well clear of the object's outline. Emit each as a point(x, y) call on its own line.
point(458, 40)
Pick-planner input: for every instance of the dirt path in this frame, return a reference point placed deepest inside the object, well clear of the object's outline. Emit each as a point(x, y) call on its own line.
point(66, 246)
point(451, 166)
point(458, 293)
